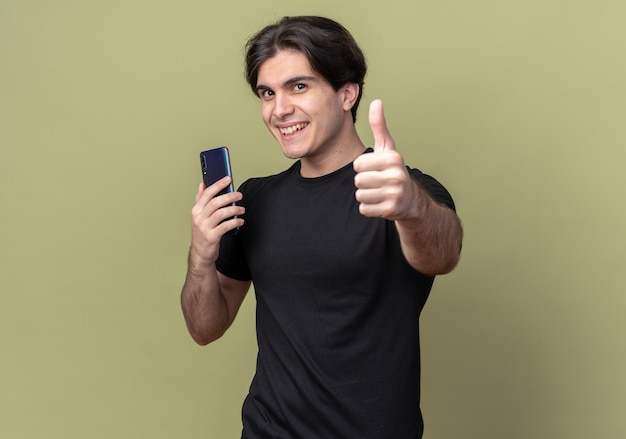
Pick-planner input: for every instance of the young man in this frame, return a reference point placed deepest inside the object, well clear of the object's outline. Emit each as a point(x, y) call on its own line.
point(342, 249)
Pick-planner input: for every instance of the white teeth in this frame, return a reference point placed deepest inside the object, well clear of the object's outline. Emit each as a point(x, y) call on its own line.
point(292, 129)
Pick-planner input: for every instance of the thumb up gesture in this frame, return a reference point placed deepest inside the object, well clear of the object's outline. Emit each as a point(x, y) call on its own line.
point(384, 187)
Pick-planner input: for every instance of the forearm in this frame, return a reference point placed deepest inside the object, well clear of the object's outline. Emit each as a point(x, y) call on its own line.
point(209, 300)
point(431, 236)
point(202, 303)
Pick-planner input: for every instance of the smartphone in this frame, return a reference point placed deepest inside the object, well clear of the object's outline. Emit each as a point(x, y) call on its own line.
point(215, 164)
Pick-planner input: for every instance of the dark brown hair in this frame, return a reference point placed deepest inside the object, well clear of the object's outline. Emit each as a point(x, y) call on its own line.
point(330, 48)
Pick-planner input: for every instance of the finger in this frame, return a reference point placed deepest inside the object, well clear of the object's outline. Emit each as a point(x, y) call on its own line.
point(369, 179)
point(370, 196)
point(211, 191)
point(225, 199)
point(382, 138)
point(229, 225)
point(227, 218)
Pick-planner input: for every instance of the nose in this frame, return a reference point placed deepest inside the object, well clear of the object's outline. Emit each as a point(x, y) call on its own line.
point(283, 106)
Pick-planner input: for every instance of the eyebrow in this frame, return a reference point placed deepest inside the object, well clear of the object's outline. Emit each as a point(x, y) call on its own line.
point(290, 81)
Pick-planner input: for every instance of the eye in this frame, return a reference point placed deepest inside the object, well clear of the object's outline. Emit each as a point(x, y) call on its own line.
point(265, 93)
point(299, 87)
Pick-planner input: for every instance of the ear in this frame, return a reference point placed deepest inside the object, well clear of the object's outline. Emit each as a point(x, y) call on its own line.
point(349, 94)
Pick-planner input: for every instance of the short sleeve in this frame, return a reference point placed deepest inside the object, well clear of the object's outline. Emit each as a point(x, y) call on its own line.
point(433, 187)
point(232, 260)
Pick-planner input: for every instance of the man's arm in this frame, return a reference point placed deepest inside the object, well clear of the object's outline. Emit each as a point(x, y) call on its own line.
point(431, 236)
point(210, 300)
point(430, 233)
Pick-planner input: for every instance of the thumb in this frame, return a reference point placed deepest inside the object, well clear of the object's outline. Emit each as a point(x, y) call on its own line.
point(382, 138)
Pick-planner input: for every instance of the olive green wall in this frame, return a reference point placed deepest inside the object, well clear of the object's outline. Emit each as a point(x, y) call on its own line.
point(519, 107)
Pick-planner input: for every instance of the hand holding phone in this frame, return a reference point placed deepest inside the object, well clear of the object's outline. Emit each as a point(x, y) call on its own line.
point(215, 164)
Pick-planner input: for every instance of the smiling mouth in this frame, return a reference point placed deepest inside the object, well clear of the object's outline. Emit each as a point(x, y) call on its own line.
point(292, 129)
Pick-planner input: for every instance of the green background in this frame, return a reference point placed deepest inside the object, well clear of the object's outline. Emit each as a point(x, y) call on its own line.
point(518, 107)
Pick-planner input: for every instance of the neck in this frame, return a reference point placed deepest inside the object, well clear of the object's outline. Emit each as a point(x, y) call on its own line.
point(335, 154)
point(332, 158)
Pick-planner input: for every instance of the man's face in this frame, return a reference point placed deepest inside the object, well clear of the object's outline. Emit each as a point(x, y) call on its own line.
point(301, 109)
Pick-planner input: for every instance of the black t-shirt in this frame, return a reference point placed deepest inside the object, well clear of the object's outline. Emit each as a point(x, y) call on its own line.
point(337, 310)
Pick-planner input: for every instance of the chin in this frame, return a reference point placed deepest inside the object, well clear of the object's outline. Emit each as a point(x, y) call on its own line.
point(293, 153)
